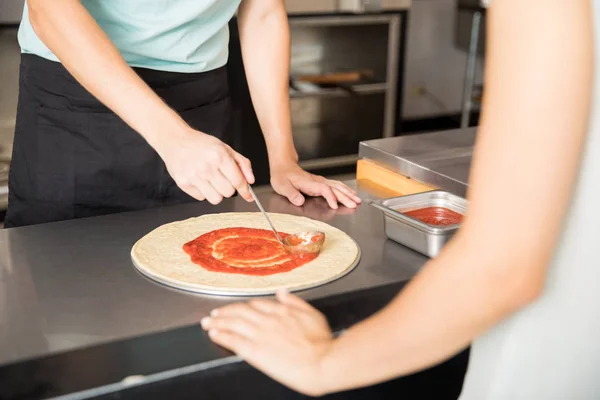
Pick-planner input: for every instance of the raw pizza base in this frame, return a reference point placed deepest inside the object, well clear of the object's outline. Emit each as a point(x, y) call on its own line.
point(159, 255)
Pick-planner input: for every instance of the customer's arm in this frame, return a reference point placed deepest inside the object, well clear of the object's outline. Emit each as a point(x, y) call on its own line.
point(201, 165)
point(265, 40)
point(538, 91)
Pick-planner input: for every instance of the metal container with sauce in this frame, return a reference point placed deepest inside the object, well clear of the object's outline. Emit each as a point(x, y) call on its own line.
point(425, 238)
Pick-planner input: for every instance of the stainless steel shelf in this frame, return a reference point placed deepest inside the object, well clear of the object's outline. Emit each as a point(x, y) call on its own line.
point(365, 88)
point(341, 20)
point(344, 6)
point(329, 162)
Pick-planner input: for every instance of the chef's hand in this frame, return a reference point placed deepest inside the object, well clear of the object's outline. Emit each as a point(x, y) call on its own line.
point(291, 181)
point(204, 167)
point(286, 339)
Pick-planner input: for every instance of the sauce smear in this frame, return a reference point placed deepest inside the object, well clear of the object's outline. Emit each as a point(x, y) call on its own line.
point(438, 216)
point(246, 251)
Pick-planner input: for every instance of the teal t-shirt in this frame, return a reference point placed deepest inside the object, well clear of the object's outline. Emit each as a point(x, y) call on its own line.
point(167, 35)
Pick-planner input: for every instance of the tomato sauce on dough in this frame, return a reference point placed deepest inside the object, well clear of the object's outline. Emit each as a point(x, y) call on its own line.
point(246, 251)
point(439, 216)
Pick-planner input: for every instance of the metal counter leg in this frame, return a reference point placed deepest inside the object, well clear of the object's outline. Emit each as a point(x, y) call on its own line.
point(470, 71)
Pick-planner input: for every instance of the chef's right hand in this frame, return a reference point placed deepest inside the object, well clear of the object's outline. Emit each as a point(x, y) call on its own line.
point(204, 167)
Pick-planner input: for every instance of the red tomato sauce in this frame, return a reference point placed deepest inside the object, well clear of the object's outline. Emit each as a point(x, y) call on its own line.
point(439, 216)
point(244, 251)
point(294, 242)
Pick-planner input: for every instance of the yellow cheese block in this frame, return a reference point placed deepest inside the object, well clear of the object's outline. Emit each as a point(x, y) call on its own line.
point(369, 172)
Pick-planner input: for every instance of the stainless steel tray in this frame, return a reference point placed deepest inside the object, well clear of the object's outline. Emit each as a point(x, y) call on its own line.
point(417, 235)
point(237, 293)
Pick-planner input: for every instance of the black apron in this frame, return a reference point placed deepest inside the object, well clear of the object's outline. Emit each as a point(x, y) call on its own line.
point(74, 158)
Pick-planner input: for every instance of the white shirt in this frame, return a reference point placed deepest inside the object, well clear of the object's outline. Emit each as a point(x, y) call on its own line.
point(551, 349)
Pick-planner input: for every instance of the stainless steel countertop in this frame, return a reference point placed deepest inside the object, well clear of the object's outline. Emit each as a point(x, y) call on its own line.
point(71, 284)
point(441, 159)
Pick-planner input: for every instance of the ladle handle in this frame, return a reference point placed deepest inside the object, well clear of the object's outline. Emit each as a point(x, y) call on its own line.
point(262, 210)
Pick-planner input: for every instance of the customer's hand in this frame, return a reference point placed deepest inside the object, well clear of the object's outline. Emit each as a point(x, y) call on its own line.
point(291, 181)
point(286, 339)
point(204, 167)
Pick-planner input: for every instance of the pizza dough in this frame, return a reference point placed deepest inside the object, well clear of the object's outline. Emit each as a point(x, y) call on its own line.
point(160, 256)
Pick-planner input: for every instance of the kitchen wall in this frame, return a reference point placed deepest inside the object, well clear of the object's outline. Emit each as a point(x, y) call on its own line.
point(433, 77)
point(10, 11)
point(435, 67)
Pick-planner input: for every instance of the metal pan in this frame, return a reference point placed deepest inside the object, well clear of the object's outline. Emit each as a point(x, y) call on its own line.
point(417, 235)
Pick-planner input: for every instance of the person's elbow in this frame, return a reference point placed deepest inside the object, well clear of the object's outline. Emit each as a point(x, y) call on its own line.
point(259, 12)
point(525, 287)
point(44, 14)
point(36, 13)
point(509, 280)
point(518, 281)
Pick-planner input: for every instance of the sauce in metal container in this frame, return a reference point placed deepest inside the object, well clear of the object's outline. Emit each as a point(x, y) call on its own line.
point(439, 216)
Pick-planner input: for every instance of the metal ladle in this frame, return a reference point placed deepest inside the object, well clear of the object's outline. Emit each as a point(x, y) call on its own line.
point(299, 243)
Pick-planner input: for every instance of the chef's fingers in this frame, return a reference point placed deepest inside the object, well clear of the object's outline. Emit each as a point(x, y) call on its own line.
point(245, 166)
point(232, 172)
point(193, 191)
point(291, 300)
point(209, 191)
point(221, 184)
point(341, 185)
point(343, 198)
point(288, 190)
point(326, 191)
point(239, 310)
point(238, 344)
point(237, 325)
point(346, 189)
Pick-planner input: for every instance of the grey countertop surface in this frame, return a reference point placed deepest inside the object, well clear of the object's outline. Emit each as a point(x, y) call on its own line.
point(71, 284)
point(441, 159)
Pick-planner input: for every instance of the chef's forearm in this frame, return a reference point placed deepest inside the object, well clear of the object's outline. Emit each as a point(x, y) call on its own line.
point(265, 41)
point(71, 33)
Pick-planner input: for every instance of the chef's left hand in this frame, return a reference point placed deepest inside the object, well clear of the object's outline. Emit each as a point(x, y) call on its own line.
point(286, 339)
point(291, 181)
